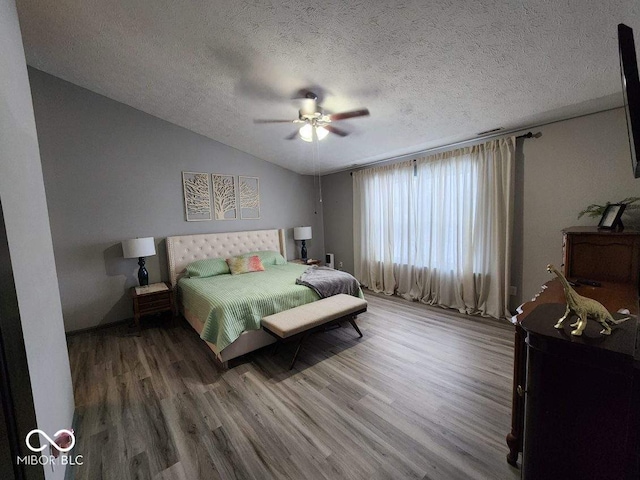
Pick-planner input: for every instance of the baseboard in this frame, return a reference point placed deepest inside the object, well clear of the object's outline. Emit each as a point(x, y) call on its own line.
point(99, 327)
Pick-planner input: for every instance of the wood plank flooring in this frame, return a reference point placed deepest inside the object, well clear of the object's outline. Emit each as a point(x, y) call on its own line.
point(424, 395)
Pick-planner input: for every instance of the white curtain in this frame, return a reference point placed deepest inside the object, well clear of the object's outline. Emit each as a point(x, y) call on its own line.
point(438, 229)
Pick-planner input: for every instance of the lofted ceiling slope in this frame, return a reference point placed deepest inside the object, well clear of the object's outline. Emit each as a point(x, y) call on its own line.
point(431, 73)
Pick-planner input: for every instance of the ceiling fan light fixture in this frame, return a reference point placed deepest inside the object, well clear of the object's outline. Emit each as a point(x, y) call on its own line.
point(312, 116)
point(321, 132)
point(306, 132)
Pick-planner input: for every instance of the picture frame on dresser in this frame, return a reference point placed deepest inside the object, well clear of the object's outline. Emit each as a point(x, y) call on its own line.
point(611, 216)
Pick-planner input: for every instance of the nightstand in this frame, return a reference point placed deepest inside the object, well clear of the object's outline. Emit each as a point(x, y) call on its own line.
point(309, 261)
point(154, 298)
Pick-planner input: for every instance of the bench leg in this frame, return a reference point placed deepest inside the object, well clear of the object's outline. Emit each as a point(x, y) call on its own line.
point(295, 356)
point(352, 321)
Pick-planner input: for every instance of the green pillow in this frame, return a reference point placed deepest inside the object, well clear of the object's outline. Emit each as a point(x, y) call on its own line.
point(209, 267)
point(268, 257)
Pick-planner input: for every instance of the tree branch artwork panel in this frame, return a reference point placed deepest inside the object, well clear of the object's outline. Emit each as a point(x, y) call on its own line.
point(249, 197)
point(197, 196)
point(225, 205)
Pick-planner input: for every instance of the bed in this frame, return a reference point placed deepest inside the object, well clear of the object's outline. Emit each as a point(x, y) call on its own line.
point(182, 250)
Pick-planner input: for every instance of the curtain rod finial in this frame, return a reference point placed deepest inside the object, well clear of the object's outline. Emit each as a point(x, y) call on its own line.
point(530, 135)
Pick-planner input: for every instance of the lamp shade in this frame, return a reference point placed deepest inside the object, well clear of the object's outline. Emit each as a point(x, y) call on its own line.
point(302, 233)
point(306, 132)
point(138, 247)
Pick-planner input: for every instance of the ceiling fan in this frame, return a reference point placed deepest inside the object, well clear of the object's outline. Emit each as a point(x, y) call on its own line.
point(315, 123)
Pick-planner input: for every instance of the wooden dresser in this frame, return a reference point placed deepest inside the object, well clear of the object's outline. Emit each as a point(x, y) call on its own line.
point(611, 258)
point(592, 254)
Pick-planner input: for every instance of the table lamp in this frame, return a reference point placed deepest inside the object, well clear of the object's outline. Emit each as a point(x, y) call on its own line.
point(304, 234)
point(140, 248)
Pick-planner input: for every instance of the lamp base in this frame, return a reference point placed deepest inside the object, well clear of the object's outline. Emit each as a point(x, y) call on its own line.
point(303, 252)
point(143, 275)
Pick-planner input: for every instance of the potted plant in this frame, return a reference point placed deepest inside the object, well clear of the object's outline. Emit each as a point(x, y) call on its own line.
point(595, 211)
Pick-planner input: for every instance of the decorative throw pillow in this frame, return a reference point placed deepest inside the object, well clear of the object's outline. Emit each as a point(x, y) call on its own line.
point(267, 257)
point(244, 264)
point(208, 268)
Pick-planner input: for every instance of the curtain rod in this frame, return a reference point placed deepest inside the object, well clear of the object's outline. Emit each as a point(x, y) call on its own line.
point(524, 135)
point(529, 135)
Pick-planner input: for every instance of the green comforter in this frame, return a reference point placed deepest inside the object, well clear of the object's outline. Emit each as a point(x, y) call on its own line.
point(231, 304)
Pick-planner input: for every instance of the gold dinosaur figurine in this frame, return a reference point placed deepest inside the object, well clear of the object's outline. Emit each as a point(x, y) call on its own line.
point(583, 307)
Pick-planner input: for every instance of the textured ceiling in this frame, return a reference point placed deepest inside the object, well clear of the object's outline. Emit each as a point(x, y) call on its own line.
point(430, 72)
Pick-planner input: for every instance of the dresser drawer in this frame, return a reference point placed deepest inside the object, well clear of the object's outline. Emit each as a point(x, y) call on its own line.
point(154, 298)
point(154, 306)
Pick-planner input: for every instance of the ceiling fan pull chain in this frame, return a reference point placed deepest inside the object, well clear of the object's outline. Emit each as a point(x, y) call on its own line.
point(319, 178)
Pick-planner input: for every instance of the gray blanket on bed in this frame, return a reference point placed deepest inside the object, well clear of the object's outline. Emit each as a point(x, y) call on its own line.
point(327, 282)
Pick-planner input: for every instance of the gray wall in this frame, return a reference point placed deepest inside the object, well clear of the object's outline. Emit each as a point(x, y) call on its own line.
point(113, 173)
point(25, 213)
point(575, 163)
point(337, 201)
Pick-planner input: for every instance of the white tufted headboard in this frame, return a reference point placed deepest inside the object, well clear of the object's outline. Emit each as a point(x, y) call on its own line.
point(184, 249)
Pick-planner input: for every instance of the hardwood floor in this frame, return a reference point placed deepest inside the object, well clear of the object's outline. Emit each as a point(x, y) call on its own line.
point(424, 395)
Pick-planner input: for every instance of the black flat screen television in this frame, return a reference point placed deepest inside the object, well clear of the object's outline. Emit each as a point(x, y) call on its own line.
point(630, 90)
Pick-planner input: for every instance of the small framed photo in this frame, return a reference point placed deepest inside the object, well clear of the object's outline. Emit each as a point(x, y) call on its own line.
point(611, 217)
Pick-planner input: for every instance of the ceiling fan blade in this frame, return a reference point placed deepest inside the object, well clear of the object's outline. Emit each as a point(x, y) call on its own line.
point(337, 131)
point(344, 115)
point(259, 120)
point(292, 136)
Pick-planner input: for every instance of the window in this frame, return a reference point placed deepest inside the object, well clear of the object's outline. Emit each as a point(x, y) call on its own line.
point(446, 226)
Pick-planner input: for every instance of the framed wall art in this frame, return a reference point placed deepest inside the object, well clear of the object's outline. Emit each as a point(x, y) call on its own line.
point(197, 196)
point(249, 188)
point(225, 204)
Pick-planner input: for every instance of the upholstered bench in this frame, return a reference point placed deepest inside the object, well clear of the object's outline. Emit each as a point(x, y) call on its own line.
point(300, 322)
